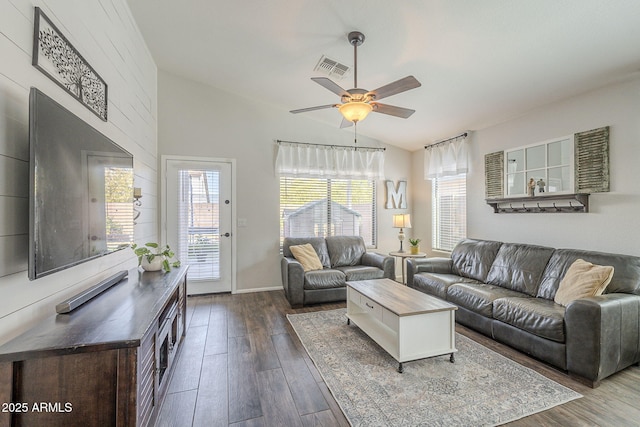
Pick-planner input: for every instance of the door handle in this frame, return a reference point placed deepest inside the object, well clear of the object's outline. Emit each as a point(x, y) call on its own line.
point(225, 235)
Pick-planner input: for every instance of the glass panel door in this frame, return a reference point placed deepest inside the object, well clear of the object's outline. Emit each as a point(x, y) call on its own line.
point(199, 222)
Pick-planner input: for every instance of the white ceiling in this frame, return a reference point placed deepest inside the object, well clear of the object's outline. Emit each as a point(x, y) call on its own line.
point(480, 62)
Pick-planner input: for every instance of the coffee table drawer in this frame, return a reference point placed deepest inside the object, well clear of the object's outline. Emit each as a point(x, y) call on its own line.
point(373, 308)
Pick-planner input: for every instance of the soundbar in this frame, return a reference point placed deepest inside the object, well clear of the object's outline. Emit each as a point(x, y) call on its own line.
point(84, 296)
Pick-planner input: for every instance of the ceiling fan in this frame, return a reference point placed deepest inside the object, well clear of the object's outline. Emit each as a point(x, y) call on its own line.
point(358, 103)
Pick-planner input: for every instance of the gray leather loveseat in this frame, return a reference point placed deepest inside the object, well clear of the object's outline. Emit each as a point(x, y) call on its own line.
point(507, 290)
point(344, 258)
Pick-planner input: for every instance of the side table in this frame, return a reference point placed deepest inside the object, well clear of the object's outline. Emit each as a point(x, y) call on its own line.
point(403, 256)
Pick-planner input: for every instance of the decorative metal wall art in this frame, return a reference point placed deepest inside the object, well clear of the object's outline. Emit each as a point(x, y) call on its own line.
point(62, 63)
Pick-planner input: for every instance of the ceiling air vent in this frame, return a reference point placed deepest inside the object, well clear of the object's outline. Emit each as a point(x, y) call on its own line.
point(332, 68)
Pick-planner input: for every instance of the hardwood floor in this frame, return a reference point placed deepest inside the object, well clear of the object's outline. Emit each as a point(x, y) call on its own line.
point(243, 365)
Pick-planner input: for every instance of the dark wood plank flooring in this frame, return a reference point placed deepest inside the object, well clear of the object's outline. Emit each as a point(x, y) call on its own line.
point(242, 365)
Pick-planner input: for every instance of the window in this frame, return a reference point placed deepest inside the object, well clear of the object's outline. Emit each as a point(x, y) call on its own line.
point(449, 211)
point(327, 207)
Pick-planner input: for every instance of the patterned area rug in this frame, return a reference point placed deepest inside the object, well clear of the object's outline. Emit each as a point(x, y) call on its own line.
point(481, 388)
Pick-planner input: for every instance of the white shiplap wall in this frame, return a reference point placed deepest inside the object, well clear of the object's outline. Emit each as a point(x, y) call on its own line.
point(105, 34)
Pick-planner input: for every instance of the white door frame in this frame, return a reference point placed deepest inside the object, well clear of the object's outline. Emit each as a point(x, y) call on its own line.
point(163, 203)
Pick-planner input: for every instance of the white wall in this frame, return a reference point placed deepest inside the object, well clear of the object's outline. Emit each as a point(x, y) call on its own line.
point(611, 224)
point(104, 33)
point(197, 120)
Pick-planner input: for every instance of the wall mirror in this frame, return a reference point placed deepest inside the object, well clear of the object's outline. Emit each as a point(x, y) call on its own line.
point(540, 169)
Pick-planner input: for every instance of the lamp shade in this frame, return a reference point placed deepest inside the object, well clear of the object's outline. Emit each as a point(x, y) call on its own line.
point(355, 111)
point(402, 221)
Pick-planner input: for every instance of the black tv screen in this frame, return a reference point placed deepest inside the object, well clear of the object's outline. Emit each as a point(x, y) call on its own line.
point(81, 190)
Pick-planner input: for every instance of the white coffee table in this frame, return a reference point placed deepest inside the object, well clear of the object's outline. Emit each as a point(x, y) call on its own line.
point(407, 323)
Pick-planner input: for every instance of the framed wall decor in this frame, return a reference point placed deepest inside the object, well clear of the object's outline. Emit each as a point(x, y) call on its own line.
point(396, 198)
point(62, 63)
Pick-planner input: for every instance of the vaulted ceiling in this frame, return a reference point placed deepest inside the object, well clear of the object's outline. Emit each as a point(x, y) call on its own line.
point(480, 62)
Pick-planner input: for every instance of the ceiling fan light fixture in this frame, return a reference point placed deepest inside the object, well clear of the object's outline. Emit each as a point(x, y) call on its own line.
point(355, 111)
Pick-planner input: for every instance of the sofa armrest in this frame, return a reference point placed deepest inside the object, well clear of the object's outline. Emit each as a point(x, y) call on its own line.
point(293, 281)
point(427, 265)
point(383, 262)
point(603, 335)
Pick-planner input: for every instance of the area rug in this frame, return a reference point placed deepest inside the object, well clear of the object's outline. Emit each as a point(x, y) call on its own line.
point(481, 388)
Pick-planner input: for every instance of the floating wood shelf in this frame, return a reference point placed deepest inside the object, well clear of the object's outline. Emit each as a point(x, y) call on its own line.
point(557, 203)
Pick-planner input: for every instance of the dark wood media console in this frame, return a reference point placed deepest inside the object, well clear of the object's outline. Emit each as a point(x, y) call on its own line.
point(106, 363)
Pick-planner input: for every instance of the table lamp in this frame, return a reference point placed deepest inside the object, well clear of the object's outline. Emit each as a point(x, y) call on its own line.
point(401, 221)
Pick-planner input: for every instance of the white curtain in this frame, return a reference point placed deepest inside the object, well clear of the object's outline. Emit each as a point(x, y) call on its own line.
point(447, 159)
point(329, 161)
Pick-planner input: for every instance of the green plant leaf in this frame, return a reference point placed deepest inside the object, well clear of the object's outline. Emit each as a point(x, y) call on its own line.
point(151, 245)
point(141, 251)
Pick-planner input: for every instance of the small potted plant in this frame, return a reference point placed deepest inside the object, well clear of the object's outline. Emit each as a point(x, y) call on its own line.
point(415, 246)
point(154, 258)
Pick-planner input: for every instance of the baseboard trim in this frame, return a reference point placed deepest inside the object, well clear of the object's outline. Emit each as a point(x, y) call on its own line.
point(248, 291)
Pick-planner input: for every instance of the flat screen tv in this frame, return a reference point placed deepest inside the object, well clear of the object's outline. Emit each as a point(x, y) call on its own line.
point(81, 190)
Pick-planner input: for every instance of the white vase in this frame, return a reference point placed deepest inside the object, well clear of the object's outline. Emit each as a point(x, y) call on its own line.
point(155, 265)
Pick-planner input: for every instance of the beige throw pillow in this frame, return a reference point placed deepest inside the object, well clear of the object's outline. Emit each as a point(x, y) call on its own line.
point(583, 279)
point(307, 256)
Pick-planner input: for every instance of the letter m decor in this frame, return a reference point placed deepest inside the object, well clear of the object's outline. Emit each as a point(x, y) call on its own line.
point(396, 198)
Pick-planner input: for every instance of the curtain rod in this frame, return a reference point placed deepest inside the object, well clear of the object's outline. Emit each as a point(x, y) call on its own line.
point(462, 135)
point(329, 145)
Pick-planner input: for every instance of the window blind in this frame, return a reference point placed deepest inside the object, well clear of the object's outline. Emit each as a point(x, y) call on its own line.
point(449, 211)
point(315, 207)
point(199, 223)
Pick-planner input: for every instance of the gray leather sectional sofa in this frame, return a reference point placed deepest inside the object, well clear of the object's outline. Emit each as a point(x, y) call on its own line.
point(506, 291)
point(344, 258)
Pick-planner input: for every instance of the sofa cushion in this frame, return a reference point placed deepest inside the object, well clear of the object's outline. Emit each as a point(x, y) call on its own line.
point(345, 250)
point(361, 272)
point(538, 316)
point(478, 297)
point(324, 279)
point(437, 283)
point(318, 243)
point(473, 258)
point(307, 256)
point(626, 275)
point(519, 267)
point(583, 279)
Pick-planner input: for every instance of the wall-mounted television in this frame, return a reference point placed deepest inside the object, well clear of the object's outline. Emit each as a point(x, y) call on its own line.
point(80, 190)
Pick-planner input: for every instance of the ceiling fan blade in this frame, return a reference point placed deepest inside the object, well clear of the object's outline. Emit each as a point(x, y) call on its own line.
point(396, 87)
point(319, 107)
point(329, 84)
point(345, 123)
point(392, 110)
